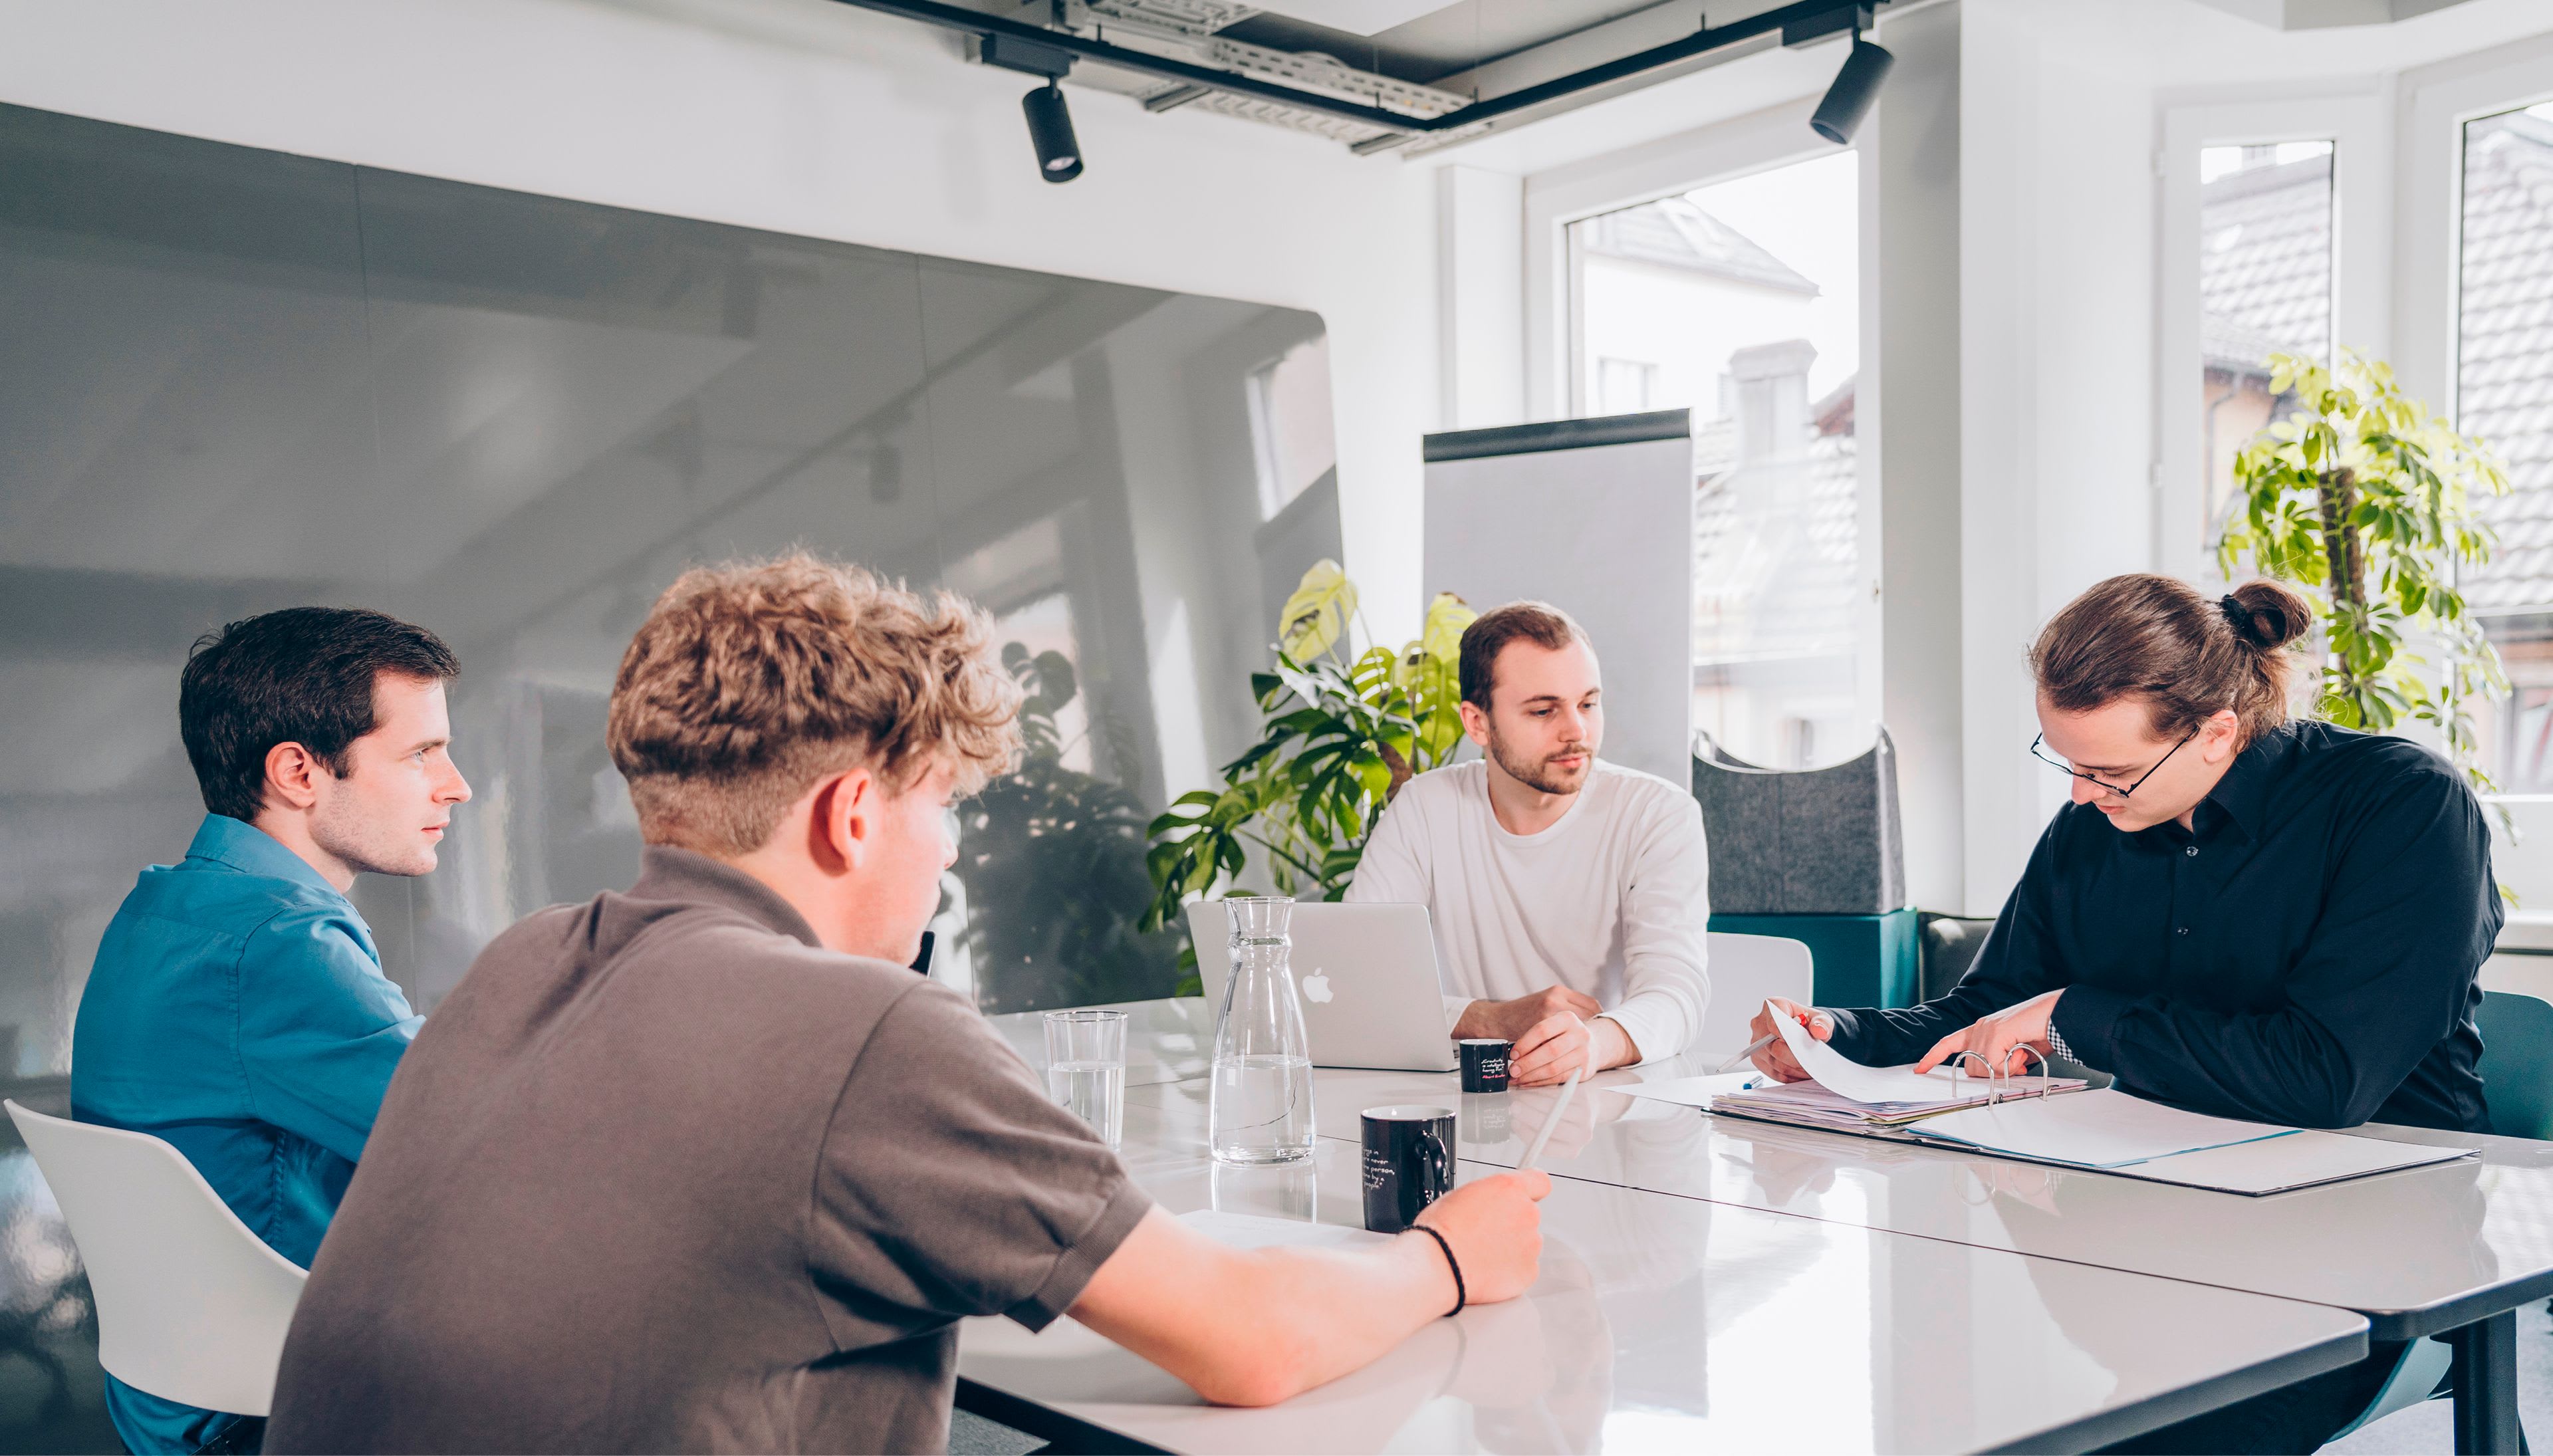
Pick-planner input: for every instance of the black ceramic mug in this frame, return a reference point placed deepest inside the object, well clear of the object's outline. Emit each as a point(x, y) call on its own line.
point(1408, 1164)
point(1485, 1062)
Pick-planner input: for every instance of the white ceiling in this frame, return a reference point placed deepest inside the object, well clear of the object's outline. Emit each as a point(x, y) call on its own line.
point(1356, 17)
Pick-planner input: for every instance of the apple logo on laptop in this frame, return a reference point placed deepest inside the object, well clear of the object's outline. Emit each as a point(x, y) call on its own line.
point(1316, 987)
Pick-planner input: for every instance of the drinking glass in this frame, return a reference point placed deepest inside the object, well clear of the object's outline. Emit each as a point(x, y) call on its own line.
point(1085, 1068)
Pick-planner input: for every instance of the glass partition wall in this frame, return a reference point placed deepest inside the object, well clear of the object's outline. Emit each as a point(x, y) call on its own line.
point(238, 380)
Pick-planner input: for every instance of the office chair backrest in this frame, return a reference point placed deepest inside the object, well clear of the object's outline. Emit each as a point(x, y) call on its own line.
point(1744, 969)
point(191, 1306)
point(2517, 1064)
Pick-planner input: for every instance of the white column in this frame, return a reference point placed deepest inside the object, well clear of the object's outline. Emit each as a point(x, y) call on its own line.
point(1909, 427)
point(1480, 288)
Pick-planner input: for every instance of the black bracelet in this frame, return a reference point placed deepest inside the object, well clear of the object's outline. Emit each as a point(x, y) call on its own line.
point(1458, 1296)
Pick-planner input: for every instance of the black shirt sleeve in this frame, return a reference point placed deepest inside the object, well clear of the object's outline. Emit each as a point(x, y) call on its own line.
point(2014, 964)
point(2373, 990)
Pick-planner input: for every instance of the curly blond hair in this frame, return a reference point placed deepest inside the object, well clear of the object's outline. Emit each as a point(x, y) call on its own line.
point(750, 681)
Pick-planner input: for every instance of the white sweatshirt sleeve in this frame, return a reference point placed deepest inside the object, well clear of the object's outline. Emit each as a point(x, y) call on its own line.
point(1393, 872)
point(1666, 913)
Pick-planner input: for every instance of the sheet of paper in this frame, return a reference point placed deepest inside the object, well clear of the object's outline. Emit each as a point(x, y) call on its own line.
point(2301, 1162)
point(1690, 1091)
point(1846, 1077)
point(1255, 1231)
point(2103, 1129)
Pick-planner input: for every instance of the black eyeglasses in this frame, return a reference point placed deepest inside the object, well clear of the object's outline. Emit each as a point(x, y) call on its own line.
point(2100, 783)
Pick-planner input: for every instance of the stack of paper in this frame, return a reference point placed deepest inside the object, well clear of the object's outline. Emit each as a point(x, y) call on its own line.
point(1847, 1097)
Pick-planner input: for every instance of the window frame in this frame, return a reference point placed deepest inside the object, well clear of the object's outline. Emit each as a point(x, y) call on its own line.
point(2357, 125)
point(1759, 142)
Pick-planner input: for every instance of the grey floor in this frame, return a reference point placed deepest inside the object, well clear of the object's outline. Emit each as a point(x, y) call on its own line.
point(2428, 1427)
point(974, 1435)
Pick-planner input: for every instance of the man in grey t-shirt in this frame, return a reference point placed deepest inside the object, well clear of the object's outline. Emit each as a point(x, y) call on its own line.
point(704, 1167)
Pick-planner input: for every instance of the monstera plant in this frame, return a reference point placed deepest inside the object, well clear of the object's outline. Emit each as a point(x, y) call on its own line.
point(1344, 729)
point(2365, 498)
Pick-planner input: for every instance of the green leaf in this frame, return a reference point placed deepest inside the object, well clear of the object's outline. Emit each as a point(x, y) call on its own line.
point(1315, 618)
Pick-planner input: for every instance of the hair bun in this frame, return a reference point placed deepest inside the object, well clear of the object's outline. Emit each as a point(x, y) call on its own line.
point(2266, 614)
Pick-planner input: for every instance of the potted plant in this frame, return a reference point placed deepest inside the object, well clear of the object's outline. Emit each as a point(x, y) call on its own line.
point(1344, 729)
point(2365, 498)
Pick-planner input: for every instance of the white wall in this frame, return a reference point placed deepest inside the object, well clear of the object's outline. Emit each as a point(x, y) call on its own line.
point(2057, 335)
point(818, 120)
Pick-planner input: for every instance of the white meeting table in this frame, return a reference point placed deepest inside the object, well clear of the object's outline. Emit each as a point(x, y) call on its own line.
point(1670, 1322)
point(2452, 1249)
point(1666, 1319)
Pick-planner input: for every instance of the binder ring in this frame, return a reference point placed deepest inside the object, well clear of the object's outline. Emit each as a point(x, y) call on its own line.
point(1959, 1071)
point(2046, 1075)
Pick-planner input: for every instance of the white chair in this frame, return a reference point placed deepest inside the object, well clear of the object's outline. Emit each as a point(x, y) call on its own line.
point(191, 1306)
point(1744, 969)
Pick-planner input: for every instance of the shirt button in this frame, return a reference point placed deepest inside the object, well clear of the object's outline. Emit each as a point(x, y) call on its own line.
point(2191, 851)
point(2184, 930)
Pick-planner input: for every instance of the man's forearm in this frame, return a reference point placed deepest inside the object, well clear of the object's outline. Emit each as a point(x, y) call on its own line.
point(1252, 1327)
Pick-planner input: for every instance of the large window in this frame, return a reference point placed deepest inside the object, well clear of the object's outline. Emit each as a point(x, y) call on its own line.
point(2265, 286)
point(2505, 395)
point(1740, 302)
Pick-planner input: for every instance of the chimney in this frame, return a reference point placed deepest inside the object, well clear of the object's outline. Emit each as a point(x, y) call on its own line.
point(1771, 408)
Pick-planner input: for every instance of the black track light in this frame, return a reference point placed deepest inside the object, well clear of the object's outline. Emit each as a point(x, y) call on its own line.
point(1855, 87)
point(1050, 132)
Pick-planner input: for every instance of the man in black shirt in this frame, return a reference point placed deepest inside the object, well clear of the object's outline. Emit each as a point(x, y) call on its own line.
point(2236, 913)
point(2239, 915)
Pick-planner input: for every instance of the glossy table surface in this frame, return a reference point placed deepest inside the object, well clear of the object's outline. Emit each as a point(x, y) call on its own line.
point(2418, 1251)
point(1673, 1322)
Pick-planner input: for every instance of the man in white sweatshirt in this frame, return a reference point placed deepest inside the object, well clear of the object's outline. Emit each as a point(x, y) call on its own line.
point(1569, 895)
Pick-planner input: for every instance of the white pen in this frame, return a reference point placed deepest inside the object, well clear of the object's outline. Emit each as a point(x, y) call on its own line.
point(1753, 1047)
point(1551, 1124)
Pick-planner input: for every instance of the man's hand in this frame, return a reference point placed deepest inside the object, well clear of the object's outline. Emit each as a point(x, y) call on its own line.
point(1508, 1021)
point(1495, 1231)
point(1561, 1043)
point(1776, 1060)
point(1996, 1038)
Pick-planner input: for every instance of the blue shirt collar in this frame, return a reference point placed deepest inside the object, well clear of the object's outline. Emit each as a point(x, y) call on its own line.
point(251, 851)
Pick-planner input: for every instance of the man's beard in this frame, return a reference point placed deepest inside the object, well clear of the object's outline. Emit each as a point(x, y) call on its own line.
point(1538, 774)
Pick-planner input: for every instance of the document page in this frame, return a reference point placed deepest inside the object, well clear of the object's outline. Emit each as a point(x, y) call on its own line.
point(2103, 1129)
point(1846, 1077)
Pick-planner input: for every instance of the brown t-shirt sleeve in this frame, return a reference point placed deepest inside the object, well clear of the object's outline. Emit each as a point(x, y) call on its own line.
point(949, 1186)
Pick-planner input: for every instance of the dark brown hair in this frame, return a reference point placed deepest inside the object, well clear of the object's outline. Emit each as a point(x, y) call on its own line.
point(749, 681)
point(304, 675)
point(1538, 622)
point(2156, 638)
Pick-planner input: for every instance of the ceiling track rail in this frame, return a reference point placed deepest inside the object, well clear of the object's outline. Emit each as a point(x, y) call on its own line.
point(1798, 23)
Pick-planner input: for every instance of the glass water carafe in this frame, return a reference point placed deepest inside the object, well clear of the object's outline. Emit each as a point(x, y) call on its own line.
point(1260, 1108)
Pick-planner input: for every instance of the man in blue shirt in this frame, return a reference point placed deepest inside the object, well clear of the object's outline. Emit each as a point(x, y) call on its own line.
point(237, 1007)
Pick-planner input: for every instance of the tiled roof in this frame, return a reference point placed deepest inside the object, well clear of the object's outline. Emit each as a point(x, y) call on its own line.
point(2264, 260)
point(1776, 551)
point(1674, 233)
point(2236, 346)
point(2504, 368)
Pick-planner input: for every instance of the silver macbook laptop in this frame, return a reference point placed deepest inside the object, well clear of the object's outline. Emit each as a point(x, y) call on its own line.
point(1365, 975)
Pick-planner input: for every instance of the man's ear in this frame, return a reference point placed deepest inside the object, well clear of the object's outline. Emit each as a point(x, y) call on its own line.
point(1475, 722)
point(846, 819)
point(291, 772)
point(2223, 734)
